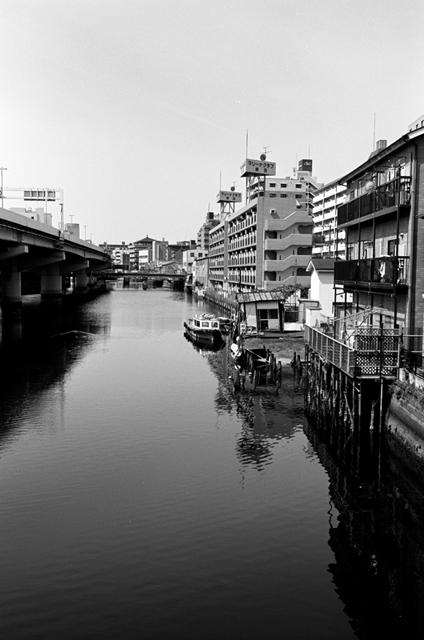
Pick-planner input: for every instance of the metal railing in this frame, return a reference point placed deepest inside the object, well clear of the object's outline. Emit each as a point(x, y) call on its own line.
point(373, 352)
point(382, 270)
point(393, 193)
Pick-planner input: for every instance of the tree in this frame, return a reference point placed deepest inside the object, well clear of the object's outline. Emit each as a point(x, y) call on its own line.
point(288, 290)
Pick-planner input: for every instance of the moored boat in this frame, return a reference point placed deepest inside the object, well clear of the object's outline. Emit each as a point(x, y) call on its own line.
point(225, 324)
point(204, 327)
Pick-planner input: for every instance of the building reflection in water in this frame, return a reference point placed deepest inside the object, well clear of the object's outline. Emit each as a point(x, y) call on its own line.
point(376, 516)
point(270, 406)
point(39, 347)
point(377, 536)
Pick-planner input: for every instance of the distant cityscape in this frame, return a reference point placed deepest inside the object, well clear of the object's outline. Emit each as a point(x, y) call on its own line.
point(269, 241)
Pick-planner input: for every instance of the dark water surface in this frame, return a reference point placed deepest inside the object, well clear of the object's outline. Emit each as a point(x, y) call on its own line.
point(140, 497)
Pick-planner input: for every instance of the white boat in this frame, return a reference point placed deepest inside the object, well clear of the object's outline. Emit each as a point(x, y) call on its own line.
point(204, 327)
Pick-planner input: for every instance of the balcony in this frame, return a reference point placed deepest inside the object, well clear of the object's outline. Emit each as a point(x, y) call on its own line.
point(291, 262)
point(318, 239)
point(294, 218)
point(291, 240)
point(303, 281)
point(374, 353)
point(378, 274)
point(388, 196)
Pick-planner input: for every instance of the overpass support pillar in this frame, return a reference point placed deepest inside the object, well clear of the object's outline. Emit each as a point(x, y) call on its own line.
point(81, 280)
point(51, 281)
point(11, 285)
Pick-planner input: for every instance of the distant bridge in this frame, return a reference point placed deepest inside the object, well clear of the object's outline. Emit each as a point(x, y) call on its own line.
point(112, 274)
point(27, 245)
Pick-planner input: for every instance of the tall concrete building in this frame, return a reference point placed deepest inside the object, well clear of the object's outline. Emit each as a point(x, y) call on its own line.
point(328, 241)
point(268, 241)
point(204, 232)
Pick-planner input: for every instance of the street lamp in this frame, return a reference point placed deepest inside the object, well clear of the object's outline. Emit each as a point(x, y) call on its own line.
point(1, 171)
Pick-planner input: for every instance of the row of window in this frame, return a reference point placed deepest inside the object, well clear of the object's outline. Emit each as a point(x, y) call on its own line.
point(239, 225)
point(243, 241)
point(283, 185)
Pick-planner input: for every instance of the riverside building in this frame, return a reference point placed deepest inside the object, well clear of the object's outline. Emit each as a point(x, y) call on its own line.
point(267, 242)
point(328, 240)
point(383, 218)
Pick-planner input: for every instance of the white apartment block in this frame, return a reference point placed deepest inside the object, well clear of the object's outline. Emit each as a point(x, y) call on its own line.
point(267, 242)
point(327, 240)
point(190, 256)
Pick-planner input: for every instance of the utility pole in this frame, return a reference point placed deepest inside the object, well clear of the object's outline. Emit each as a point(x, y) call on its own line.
point(1, 171)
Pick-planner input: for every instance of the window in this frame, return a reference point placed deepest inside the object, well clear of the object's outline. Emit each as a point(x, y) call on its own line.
point(272, 184)
point(283, 195)
point(298, 186)
point(272, 195)
point(283, 185)
point(391, 247)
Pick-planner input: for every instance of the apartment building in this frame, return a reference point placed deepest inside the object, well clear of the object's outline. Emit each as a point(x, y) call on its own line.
point(147, 250)
point(119, 254)
point(267, 242)
point(328, 241)
point(204, 232)
point(176, 251)
point(189, 257)
point(383, 218)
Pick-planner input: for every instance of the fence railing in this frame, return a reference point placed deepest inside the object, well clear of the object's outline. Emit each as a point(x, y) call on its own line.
point(384, 270)
point(390, 194)
point(373, 352)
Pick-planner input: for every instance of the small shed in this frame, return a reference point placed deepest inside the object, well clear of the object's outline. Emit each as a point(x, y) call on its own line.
point(263, 310)
point(319, 307)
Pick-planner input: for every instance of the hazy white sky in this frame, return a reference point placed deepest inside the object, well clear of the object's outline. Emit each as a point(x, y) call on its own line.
point(135, 107)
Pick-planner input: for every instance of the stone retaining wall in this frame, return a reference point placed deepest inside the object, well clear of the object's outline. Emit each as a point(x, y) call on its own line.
point(404, 426)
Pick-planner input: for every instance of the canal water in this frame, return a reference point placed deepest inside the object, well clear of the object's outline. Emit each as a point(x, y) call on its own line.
point(142, 496)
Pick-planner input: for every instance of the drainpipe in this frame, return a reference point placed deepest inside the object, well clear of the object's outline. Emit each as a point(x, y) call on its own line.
point(410, 312)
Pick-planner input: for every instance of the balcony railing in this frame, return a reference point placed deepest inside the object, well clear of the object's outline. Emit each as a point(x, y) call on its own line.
point(385, 270)
point(374, 352)
point(318, 239)
point(391, 194)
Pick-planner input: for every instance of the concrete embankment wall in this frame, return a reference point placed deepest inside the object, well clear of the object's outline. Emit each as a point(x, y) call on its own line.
point(227, 304)
point(404, 425)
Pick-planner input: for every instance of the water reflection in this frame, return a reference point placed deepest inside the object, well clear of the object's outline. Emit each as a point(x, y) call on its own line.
point(39, 347)
point(270, 406)
point(376, 531)
point(376, 521)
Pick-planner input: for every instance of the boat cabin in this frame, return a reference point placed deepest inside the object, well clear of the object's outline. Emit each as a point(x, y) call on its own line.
point(205, 322)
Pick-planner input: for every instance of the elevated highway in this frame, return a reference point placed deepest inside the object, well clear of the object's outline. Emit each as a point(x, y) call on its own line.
point(27, 245)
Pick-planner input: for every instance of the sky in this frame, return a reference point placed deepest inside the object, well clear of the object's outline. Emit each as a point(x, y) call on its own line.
point(141, 110)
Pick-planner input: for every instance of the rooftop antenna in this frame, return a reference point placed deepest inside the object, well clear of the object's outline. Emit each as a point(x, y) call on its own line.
point(247, 143)
point(373, 137)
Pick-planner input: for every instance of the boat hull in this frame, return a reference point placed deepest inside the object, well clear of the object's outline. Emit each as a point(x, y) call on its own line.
point(202, 334)
point(204, 341)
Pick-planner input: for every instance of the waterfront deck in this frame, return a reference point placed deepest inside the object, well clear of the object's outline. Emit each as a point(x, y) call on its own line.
point(372, 352)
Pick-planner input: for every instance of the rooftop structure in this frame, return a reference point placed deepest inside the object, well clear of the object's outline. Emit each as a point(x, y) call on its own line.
point(267, 242)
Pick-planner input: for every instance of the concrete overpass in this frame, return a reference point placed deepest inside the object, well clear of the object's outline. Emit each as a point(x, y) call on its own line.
point(29, 245)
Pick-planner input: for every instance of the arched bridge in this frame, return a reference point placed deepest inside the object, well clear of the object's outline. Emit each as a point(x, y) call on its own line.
point(27, 245)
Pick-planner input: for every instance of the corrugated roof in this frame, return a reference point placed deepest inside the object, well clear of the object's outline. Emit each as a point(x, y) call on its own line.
point(321, 264)
point(260, 296)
